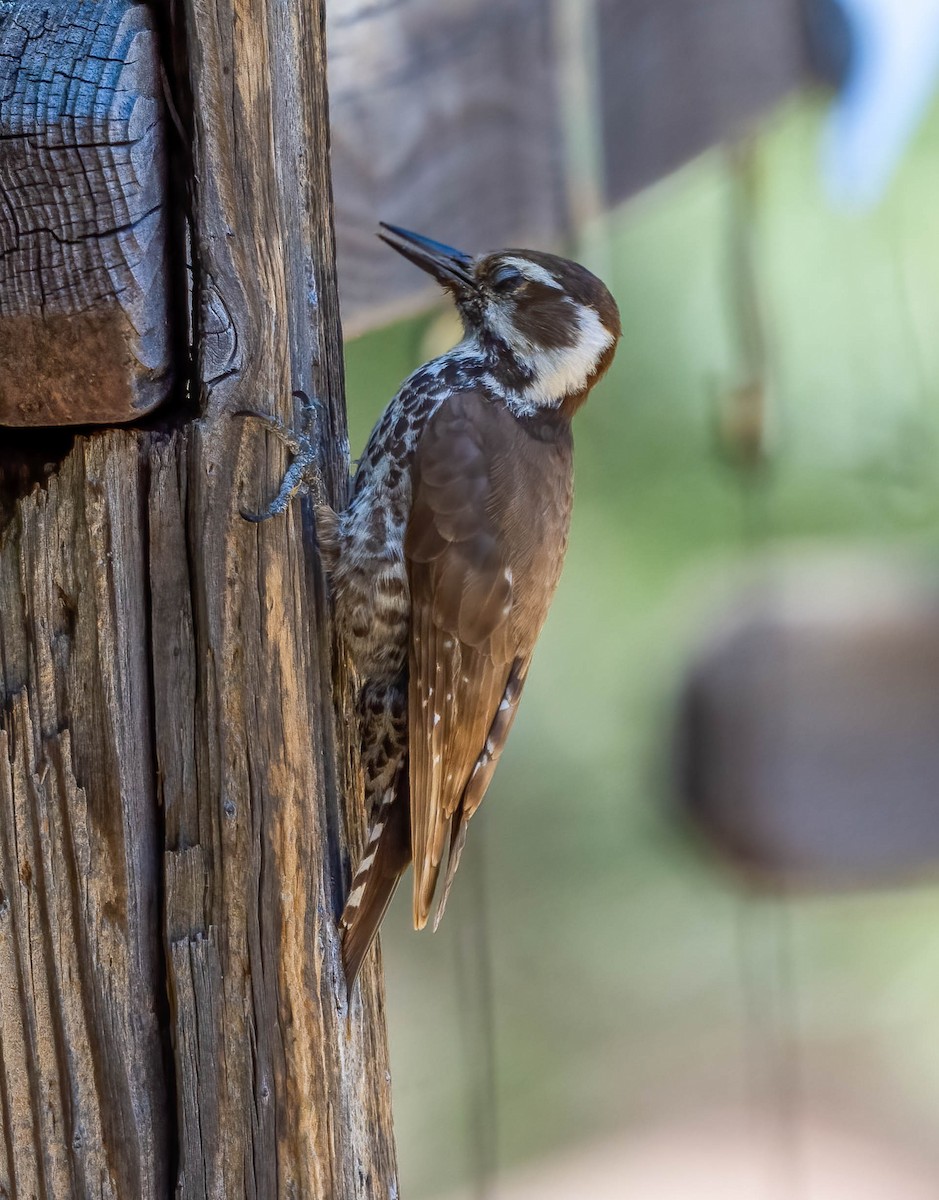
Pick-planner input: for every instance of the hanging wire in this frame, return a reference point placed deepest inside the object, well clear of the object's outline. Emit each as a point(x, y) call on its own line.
point(744, 425)
point(577, 57)
point(766, 961)
point(745, 439)
point(920, 432)
point(476, 1016)
point(576, 51)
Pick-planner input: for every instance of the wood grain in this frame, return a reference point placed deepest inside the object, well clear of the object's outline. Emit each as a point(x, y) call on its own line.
point(85, 289)
point(283, 1087)
point(177, 796)
point(82, 1090)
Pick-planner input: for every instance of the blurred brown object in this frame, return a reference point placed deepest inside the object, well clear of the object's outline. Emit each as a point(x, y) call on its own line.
point(808, 730)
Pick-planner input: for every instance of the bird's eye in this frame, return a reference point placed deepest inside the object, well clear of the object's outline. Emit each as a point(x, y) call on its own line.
point(507, 280)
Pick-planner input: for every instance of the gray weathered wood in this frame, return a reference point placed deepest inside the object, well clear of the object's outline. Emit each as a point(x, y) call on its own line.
point(445, 119)
point(169, 742)
point(283, 1089)
point(83, 1098)
point(84, 283)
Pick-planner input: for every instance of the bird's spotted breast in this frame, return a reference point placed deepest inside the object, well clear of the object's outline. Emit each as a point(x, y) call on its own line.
point(370, 583)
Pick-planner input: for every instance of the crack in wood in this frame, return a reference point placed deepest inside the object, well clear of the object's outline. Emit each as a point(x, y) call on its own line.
point(83, 224)
point(171, 671)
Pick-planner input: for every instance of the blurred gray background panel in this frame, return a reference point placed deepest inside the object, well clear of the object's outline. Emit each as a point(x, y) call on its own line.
point(445, 120)
point(450, 117)
point(677, 76)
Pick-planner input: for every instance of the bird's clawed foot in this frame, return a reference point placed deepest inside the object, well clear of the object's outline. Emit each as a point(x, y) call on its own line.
point(303, 474)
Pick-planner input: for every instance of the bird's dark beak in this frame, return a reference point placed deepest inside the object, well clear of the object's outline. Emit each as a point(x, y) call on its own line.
point(452, 268)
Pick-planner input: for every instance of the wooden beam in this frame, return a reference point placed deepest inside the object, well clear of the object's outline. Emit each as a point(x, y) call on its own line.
point(448, 119)
point(83, 1092)
point(282, 1087)
point(85, 288)
point(474, 121)
point(177, 741)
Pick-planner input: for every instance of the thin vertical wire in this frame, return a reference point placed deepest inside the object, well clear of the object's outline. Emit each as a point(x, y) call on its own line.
point(574, 27)
point(764, 924)
point(476, 1015)
point(919, 456)
point(576, 53)
point(766, 961)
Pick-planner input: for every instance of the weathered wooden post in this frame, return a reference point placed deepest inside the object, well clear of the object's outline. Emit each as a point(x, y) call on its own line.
point(173, 836)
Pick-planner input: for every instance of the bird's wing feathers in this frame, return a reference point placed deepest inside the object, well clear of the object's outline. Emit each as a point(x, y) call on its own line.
point(484, 545)
point(482, 772)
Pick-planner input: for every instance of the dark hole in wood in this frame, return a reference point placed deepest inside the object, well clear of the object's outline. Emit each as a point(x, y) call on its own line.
point(28, 457)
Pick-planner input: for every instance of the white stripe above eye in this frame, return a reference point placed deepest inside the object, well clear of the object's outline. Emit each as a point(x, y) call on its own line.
point(533, 271)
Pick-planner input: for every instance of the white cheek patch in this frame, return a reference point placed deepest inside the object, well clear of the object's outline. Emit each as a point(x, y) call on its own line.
point(565, 371)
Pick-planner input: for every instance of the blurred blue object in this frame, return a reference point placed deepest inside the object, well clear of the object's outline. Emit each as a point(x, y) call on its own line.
point(828, 40)
point(889, 81)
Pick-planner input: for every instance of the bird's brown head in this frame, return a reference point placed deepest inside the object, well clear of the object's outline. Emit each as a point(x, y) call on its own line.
point(547, 326)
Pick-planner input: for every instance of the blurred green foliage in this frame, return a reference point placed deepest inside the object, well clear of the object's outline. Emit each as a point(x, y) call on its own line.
point(631, 977)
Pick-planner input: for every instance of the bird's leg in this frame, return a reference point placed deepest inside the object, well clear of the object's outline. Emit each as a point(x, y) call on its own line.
point(304, 473)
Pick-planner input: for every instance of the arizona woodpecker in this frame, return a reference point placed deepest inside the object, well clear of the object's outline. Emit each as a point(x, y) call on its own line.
point(444, 563)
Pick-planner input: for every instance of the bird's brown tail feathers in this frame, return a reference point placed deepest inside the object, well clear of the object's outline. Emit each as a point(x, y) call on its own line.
point(387, 853)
